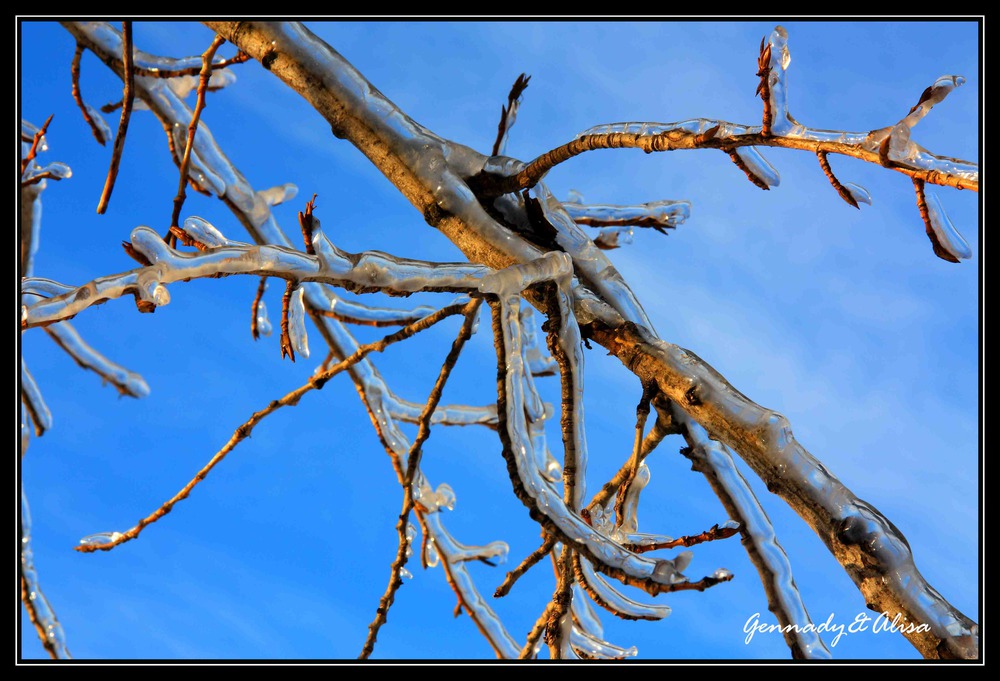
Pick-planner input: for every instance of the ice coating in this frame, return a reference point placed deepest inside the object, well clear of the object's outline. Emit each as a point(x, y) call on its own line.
point(652, 214)
point(205, 233)
point(431, 555)
point(55, 637)
point(595, 648)
point(715, 461)
point(611, 599)
point(539, 362)
point(583, 612)
point(934, 94)
point(297, 323)
point(100, 538)
point(369, 271)
point(100, 125)
point(280, 194)
point(510, 281)
point(539, 492)
point(629, 520)
point(487, 621)
point(354, 312)
point(56, 170)
point(755, 163)
point(25, 431)
point(28, 132)
point(588, 260)
point(264, 327)
point(127, 382)
point(31, 396)
point(859, 193)
point(947, 236)
point(613, 237)
point(382, 402)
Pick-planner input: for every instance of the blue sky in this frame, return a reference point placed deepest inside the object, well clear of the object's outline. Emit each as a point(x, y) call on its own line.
point(842, 320)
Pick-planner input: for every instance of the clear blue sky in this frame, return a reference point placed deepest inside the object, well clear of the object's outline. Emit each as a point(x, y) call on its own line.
point(842, 320)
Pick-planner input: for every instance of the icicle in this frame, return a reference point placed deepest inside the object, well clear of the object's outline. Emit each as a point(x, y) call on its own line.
point(629, 520)
point(204, 232)
point(101, 125)
point(758, 167)
point(540, 363)
point(614, 601)
point(948, 237)
point(297, 323)
point(32, 398)
point(263, 323)
point(278, 195)
point(859, 193)
point(445, 496)
point(594, 647)
point(934, 94)
point(25, 431)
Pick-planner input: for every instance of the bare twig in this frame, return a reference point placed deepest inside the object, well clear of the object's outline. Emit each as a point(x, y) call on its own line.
point(711, 534)
point(33, 151)
point(413, 461)
point(255, 309)
point(291, 399)
point(286, 340)
point(763, 87)
point(78, 96)
point(844, 192)
point(306, 223)
point(509, 113)
point(528, 651)
point(526, 564)
point(200, 104)
point(128, 97)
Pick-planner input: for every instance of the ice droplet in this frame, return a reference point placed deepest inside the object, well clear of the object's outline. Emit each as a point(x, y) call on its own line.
point(432, 556)
point(859, 193)
point(949, 237)
point(100, 538)
point(729, 525)
point(405, 574)
point(445, 496)
point(263, 323)
point(722, 573)
point(161, 296)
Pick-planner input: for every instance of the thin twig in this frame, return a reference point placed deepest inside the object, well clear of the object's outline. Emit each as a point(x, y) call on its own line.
point(526, 564)
point(395, 580)
point(315, 383)
point(306, 224)
point(844, 192)
point(239, 58)
point(939, 251)
point(44, 175)
point(508, 112)
point(764, 87)
point(128, 97)
point(200, 104)
point(33, 151)
point(255, 308)
point(286, 340)
point(641, 414)
point(471, 310)
point(413, 458)
point(711, 534)
point(78, 96)
point(528, 651)
point(663, 427)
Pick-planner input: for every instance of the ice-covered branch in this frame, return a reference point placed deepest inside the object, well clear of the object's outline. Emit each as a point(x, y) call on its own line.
point(658, 215)
point(125, 381)
point(369, 271)
point(713, 460)
point(868, 546)
point(44, 619)
point(31, 398)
